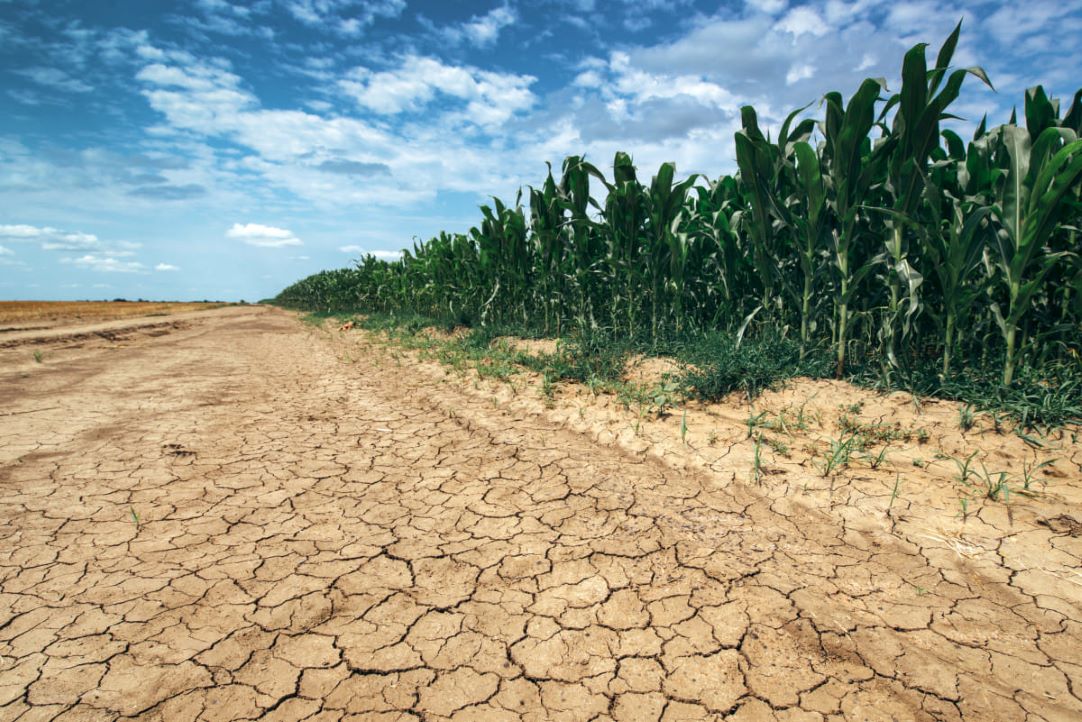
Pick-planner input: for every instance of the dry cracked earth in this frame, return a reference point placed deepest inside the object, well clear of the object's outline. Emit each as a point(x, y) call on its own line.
point(226, 521)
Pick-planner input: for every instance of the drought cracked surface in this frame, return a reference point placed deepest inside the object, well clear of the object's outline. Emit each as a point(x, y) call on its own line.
point(229, 522)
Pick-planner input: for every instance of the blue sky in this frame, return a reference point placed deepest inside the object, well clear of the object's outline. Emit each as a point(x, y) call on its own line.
point(218, 149)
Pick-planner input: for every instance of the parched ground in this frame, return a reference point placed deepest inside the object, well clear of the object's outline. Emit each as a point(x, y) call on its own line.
point(239, 516)
point(40, 315)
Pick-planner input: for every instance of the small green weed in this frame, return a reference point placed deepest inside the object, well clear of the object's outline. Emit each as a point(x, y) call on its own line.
point(838, 455)
point(776, 446)
point(757, 461)
point(966, 419)
point(876, 461)
point(894, 492)
point(754, 421)
point(1029, 470)
point(964, 470)
point(994, 483)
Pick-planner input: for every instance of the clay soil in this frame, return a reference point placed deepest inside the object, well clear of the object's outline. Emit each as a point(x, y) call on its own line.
point(241, 516)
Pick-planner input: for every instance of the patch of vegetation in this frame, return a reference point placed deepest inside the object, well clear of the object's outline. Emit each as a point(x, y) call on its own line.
point(717, 363)
point(315, 319)
point(839, 453)
point(1046, 398)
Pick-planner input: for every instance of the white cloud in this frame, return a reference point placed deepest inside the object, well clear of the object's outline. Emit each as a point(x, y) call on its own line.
point(6, 251)
point(589, 79)
point(643, 86)
point(194, 76)
point(21, 231)
point(105, 263)
point(799, 72)
point(346, 17)
point(491, 98)
point(166, 267)
point(1037, 28)
point(223, 6)
point(27, 97)
point(655, 113)
point(841, 12)
point(803, 20)
point(255, 234)
point(52, 239)
point(229, 18)
point(482, 30)
point(770, 7)
point(72, 242)
point(359, 251)
point(206, 99)
point(56, 79)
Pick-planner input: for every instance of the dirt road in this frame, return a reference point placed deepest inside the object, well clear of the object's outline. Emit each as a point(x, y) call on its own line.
point(228, 521)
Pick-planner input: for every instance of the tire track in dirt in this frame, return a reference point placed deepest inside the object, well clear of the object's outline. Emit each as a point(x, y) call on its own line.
point(228, 522)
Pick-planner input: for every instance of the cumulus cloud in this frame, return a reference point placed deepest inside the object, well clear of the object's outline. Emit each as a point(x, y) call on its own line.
point(166, 267)
point(255, 234)
point(481, 30)
point(22, 231)
point(346, 17)
point(71, 242)
point(205, 98)
point(491, 97)
point(333, 160)
point(51, 239)
point(799, 72)
point(216, 89)
point(637, 13)
point(105, 263)
point(219, 16)
point(619, 101)
point(641, 85)
point(771, 7)
point(803, 20)
point(381, 254)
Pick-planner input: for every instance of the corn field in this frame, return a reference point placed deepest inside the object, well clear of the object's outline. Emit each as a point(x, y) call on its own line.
point(871, 232)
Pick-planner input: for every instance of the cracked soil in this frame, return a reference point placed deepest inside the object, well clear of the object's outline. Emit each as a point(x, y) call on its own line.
point(237, 516)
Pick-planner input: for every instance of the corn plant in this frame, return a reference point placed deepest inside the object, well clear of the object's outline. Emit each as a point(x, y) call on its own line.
point(1044, 167)
point(863, 226)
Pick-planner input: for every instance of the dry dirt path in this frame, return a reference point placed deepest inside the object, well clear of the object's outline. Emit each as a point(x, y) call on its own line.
point(230, 522)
